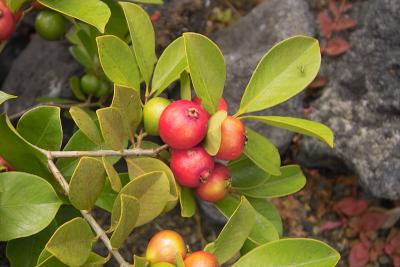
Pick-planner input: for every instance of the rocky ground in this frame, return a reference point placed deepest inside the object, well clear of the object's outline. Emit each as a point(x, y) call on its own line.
point(351, 198)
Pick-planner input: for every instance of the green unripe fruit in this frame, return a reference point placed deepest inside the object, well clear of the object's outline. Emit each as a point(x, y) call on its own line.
point(152, 113)
point(162, 264)
point(103, 90)
point(50, 25)
point(90, 84)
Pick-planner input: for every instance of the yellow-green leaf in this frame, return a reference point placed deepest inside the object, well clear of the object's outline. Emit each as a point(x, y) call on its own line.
point(207, 69)
point(282, 73)
point(186, 90)
point(213, 137)
point(246, 174)
point(5, 97)
point(306, 127)
point(129, 213)
point(187, 201)
point(86, 124)
point(111, 120)
point(112, 175)
point(86, 183)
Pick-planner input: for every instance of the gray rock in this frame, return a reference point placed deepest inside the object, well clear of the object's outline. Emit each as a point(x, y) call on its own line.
point(42, 69)
point(245, 43)
point(362, 103)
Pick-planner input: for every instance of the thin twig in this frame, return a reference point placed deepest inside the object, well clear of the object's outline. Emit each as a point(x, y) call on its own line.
point(108, 153)
point(88, 217)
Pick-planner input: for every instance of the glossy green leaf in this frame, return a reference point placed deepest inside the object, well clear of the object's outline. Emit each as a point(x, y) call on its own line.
point(5, 97)
point(156, 2)
point(139, 261)
point(46, 259)
point(282, 73)
point(143, 165)
point(269, 211)
point(207, 69)
point(290, 181)
point(152, 191)
point(128, 102)
point(247, 247)
point(24, 252)
point(170, 65)
point(112, 175)
point(246, 174)
point(19, 153)
point(93, 12)
point(95, 260)
point(117, 24)
point(186, 90)
point(74, 83)
point(263, 230)
point(51, 261)
point(129, 213)
point(235, 232)
point(27, 205)
point(179, 260)
point(118, 61)
point(291, 252)
point(110, 120)
point(306, 127)
point(108, 196)
point(79, 53)
point(86, 124)
point(87, 183)
point(143, 38)
point(213, 137)
point(187, 202)
point(15, 5)
point(41, 126)
point(262, 152)
point(71, 243)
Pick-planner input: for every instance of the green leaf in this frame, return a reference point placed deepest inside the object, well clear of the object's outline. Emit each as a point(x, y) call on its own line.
point(213, 137)
point(139, 261)
point(245, 174)
point(27, 205)
point(81, 55)
point(187, 201)
point(15, 5)
point(24, 252)
point(5, 97)
point(86, 124)
point(170, 65)
point(41, 126)
point(263, 230)
point(186, 91)
point(207, 69)
point(71, 243)
point(74, 83)
point(306, 127)
point(93, 12)
point(152, 191)
point(117, 24)
point(282, 73)
point(290, 181)
point(262, 152)
point(112, 174)
point(86, 183)
point(19, 153)
point(269, 211)
point(51, 261)
point(128, 102)
point(95, 260)
point(179, 260)
point(143, 165)
point(235, 232)
point(110, 120)
point(118, 61)
point(291, 252)
point(143, 38)
point(156, 2)
point(108, 196)
point(129, 213)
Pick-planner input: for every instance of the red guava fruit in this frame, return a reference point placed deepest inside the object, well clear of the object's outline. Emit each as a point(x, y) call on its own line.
point(201, 259)
point(7, 22)
point(164, 246)
point(233, 139)
point(216, 186)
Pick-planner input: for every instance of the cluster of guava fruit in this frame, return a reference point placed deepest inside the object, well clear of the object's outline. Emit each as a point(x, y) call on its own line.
point(166, 246)
point(183, 126)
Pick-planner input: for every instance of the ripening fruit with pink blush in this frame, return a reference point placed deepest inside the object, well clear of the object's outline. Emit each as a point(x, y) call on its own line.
point(183, 124)
point(201, 259)
point(7, 22)
point(217, 184)
point(233, 139)
point(222, 105)
point(191, 167)
point(164, 246)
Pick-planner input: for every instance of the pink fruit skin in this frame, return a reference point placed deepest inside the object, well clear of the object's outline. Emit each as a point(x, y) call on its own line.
point(216, 186)
point(201, 259)
point(192, 166)
point(183, 124)
point(232, 139)
point(7, 23)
